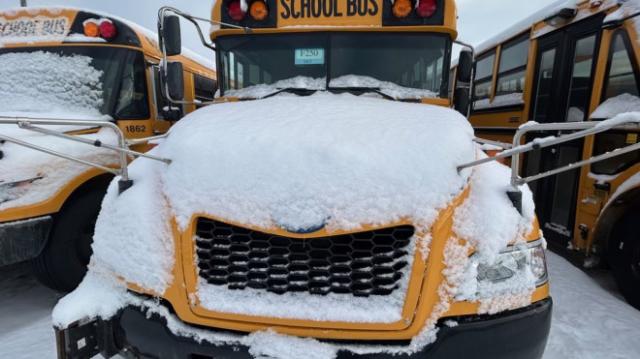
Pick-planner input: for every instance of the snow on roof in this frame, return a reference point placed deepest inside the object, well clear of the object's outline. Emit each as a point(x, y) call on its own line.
point(524, 24)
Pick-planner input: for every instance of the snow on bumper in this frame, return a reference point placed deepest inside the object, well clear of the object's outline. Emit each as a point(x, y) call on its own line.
point(152, 330)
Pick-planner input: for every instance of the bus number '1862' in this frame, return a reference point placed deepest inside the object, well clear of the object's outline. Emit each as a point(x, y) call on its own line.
point(136, 128)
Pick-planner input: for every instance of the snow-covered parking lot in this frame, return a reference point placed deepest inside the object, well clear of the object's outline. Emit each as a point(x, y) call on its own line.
point(590, 319)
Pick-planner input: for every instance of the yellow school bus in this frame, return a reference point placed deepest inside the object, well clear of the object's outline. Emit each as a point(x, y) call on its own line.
point(572, 65)
point(62, 64)
point(232, 254)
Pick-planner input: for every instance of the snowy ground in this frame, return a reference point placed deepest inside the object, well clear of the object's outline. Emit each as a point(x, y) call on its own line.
point(590, 319)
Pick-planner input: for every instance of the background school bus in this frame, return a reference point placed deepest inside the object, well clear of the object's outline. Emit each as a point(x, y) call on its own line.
point(572, 64)
point(48, 207)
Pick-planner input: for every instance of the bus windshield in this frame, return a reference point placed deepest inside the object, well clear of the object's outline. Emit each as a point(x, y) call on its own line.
point(74, 80)
point(398, 65)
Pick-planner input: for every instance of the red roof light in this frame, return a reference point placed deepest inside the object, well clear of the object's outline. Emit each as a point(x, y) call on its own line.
point(235, 11)
point(426, 8)
point(107, 29)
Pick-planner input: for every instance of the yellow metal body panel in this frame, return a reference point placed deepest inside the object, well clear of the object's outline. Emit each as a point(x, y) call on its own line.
point(422, 297)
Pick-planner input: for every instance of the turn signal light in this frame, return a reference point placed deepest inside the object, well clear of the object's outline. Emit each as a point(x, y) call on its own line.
point(235, 10)
point(402, 8)
point(258, 10)
point(426, 8)
point(91, 29)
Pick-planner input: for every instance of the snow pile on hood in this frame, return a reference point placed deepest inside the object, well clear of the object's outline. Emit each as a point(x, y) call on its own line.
point(617, 105)
point(489, 185)
point(300, 162)
point(45, 82)
point(20, 163)
point(489, 236)
point(291, 162)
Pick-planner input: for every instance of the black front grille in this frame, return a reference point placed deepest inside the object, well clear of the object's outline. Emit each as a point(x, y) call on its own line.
point(360, 264)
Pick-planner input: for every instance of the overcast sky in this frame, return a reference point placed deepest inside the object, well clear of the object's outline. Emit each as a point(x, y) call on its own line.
point(479, 19)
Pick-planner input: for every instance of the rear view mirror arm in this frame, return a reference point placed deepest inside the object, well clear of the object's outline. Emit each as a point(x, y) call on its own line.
point(166, 11)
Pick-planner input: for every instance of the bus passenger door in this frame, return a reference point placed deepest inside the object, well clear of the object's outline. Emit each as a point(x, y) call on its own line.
point(562, 90)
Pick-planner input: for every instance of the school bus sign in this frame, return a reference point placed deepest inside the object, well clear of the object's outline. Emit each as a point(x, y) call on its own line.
point(330, 12)
point(421, 15)
point(22, 26)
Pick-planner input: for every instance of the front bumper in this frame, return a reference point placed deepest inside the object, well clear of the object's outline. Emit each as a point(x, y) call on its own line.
point(23, 240)
point(518, 334)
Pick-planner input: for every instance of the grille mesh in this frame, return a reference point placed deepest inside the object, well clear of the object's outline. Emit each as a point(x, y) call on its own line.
point(359, 264)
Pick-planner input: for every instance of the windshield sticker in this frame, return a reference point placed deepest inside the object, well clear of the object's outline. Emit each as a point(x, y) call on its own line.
point(309, 57)
point(33, 29)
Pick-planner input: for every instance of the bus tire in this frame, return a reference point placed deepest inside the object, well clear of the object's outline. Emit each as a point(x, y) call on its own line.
point(64, 260)
point(624, 258)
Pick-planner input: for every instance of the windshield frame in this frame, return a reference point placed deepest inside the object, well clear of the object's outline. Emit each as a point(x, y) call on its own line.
point(440, 96)
point(131, 55)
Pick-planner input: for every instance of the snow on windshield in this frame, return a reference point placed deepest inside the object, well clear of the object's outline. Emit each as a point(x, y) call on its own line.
point(388, 88)
point(45, 83)
point(262, 90)
point(320, 84)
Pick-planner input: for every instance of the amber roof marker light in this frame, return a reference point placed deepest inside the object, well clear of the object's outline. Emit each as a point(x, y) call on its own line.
point(258, 10)
point(402, 8)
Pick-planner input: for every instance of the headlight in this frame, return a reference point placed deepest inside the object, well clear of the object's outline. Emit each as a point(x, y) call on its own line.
point(14, 189)
point(525, 259)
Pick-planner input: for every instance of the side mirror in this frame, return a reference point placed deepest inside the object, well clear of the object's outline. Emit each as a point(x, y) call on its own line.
point(465, 67)
point(174, 81)
point(462, 92)
point(170, 36)
point(462, 100)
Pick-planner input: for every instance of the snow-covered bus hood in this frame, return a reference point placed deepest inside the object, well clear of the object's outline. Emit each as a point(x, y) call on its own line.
point(19, 163)
point(288, 162)
point(300, 162)
point(296, 163)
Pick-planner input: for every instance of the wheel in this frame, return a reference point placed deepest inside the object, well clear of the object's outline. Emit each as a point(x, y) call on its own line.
point(624, 258)
point(64, 260)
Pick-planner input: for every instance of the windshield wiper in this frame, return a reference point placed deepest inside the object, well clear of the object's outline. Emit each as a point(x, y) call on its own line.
point(295, 90)
point(361, 90)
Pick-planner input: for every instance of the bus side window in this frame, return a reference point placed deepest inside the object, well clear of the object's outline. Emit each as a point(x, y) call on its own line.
point(483, 84)
point(205, 89)
point(132, 96)
point(164, 109)
point(622, 78)
point(513, 67)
